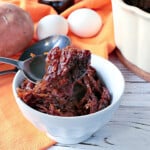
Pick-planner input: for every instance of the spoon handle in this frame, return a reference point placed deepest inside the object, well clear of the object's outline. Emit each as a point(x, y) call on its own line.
point(8, 71)
point(9, 61)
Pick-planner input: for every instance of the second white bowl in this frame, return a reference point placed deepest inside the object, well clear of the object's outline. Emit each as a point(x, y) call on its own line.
point(132, 31)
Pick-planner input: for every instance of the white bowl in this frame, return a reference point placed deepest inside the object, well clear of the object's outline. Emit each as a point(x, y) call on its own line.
point(71, 130)
point(132, 31)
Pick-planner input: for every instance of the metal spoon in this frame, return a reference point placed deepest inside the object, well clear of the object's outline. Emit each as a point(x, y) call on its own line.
point(40, 47)
point(33, 68)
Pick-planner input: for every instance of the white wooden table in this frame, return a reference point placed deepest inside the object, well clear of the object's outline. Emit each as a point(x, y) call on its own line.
point(129, 129)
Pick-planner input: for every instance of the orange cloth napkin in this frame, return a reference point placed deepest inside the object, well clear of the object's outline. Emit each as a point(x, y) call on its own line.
point(15, 131)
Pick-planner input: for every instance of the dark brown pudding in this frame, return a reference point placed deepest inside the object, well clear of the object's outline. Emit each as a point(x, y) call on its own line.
point(142, 4)
point(70, 86)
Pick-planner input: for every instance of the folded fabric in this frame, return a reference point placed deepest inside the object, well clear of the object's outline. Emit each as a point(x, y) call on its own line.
point(15, 131)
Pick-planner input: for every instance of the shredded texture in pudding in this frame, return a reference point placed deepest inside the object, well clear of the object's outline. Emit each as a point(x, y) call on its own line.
point(70, 86)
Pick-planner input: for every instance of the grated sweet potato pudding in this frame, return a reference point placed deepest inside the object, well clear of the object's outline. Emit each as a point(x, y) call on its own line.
point(70, 86)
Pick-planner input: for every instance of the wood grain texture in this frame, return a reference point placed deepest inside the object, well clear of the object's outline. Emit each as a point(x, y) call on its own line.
point(130, 126)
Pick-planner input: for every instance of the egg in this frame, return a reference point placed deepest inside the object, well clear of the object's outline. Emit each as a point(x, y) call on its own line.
point(51, 25)
point(84, 22)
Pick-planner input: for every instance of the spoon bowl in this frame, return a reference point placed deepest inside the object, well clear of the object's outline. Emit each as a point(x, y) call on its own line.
point(46, 45)
point(40, 48)
point(33, 68)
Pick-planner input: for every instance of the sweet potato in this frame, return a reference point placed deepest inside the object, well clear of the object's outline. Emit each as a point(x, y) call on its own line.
point(16, 29)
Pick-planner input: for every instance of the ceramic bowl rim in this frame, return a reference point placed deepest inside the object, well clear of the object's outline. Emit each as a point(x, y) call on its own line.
point(70, 117)
point(134, 9)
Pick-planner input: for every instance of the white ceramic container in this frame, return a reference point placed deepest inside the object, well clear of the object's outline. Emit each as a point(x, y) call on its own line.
point(132, 33)
point(72, 130)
